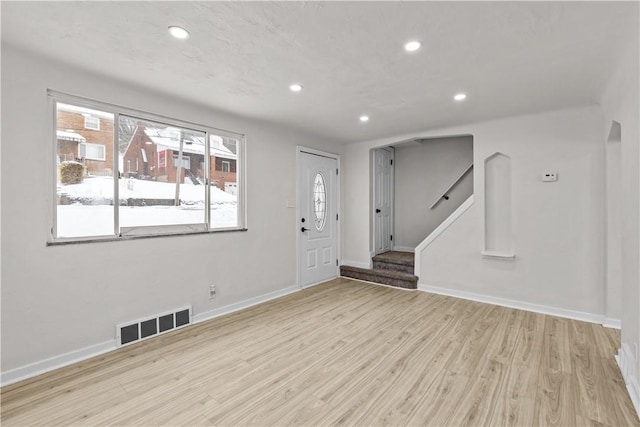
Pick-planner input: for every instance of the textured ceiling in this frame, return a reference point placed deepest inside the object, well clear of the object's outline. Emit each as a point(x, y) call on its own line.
point(510, 57)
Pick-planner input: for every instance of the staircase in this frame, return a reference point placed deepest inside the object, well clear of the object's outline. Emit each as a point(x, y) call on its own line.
point(194, 179)
point(390, 268)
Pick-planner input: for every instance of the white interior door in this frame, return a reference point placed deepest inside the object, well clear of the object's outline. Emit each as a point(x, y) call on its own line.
point(317, 218)
point(382, 200)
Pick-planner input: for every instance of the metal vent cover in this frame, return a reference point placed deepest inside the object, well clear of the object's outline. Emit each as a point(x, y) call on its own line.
point(151, 326)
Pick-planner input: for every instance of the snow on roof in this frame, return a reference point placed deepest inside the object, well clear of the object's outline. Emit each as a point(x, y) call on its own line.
point(70, 136)
point(169, 138)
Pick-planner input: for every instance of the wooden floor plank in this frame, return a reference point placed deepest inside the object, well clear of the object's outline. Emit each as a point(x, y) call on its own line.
point(345, 353)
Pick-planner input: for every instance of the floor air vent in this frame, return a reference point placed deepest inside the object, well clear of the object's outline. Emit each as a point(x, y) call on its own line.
point(148, 327)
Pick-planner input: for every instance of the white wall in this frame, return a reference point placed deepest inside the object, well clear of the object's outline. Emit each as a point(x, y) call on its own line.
point(558, 228)
point(60, 299)
point(620, 102)
point(423, 170)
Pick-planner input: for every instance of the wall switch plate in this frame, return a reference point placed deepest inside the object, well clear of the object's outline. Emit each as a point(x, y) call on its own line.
point(212, 291)
point(549, 177)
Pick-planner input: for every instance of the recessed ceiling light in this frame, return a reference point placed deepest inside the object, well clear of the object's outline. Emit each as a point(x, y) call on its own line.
point(178, 32)
point(295, 87)
point(460, 97)
point(412, 46)
point(364, 118)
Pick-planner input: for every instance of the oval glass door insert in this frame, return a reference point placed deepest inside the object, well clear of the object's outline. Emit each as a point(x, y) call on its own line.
point(319, 202)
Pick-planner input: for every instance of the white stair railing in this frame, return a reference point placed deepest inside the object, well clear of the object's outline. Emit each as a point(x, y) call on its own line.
point(444, 195)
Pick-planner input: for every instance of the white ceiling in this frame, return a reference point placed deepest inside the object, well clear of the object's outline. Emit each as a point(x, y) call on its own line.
point(510, 57)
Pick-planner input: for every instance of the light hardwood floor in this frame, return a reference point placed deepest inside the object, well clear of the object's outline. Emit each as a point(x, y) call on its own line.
point(345, 353)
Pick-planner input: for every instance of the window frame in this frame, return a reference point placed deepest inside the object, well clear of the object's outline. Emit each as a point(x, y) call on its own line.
point(104, 151)
point(126, 233)
point(228, 163)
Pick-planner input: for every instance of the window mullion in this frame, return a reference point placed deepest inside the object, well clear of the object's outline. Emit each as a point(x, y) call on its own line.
point(207, 180)
point(116, 173)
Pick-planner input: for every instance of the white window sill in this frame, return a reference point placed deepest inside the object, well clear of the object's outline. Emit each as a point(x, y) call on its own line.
point(98, 239)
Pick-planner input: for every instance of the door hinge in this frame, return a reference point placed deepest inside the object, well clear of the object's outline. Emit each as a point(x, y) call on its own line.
point(336, 217)
point(391, 162)
point(392, 237)
point(336, 263)
point(337, 173)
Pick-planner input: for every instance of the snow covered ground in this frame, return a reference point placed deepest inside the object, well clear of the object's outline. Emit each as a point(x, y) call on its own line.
point(78, 219)
point(102, 187)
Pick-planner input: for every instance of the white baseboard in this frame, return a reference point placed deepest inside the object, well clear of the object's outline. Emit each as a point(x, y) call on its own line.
point(404, 249)
point(221, 311)
point(627, 362)
point(504, 302)
point(55, 362)
point(31, 370)
point(612, 323)
point(356, 264)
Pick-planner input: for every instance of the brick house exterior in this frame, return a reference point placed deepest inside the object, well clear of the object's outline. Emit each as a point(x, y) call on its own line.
point(151, 153)
point(133, 160)
point(87, 138)
point(222, 174)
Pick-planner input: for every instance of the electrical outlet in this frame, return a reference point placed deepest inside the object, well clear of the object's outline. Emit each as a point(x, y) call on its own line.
point(212, 291)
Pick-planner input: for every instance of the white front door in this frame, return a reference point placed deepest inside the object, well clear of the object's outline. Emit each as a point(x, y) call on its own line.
point(317, 217)
point(382, 200)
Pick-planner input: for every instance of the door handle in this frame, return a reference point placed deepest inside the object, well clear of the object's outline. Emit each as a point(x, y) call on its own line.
point(304, 229)
point(377, 210)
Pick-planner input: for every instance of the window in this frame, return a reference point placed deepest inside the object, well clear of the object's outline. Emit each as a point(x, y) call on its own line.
point(319, 202)
point(220, 164)
point(168, 198)
point(224, 213)
point(152, 199)
point(186, 161)
point(84, 190)
point(91, 151)
point(91, 122)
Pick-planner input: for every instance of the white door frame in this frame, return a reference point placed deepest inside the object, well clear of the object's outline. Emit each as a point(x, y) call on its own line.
point(372, 214)
point(299, 150)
